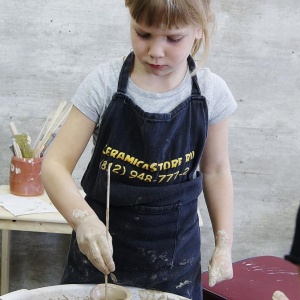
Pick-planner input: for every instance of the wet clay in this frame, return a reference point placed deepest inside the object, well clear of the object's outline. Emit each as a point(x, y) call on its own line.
point(114, 292)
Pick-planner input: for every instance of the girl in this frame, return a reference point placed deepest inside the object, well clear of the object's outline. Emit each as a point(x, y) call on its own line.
point(156, 120)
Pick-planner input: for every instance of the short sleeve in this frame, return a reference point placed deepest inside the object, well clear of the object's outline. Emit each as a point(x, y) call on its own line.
point(220, 100)
point(96, 91)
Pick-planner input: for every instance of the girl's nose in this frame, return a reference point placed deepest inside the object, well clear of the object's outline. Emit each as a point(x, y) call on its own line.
point(156, 49)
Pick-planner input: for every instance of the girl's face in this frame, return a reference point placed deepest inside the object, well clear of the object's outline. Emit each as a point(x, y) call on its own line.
point(160, 51)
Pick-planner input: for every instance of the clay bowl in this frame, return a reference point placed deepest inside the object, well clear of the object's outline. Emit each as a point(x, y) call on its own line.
point(114, 292)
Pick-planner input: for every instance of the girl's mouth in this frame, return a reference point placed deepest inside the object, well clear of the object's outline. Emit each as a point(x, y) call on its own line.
point(156, 67)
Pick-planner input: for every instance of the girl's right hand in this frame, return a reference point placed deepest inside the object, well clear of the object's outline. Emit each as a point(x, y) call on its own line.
point(92, 241)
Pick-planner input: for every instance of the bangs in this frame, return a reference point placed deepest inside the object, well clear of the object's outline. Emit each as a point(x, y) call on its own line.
point(174, 13)
point(170, 13)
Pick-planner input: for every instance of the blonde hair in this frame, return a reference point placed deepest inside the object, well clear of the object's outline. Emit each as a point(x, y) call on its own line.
point(175, 13)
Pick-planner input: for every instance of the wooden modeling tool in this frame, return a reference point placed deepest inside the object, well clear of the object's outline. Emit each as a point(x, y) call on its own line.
point(21, 142)
point(107, 218)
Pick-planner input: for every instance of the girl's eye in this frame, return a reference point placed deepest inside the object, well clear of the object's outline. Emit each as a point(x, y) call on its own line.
point(174, 40)
point(146, 36)
point(142, 35)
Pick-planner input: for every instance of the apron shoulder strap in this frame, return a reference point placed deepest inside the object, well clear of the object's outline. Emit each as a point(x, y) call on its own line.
point(125, 73)
point(195, 84)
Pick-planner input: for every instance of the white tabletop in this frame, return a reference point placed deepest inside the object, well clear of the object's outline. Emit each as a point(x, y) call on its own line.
point(39, 222)
point(53, 217)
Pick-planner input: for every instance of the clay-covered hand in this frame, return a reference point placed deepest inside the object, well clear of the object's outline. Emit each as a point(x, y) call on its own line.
point(279, 296)
point(220, 264)
point(92, 241)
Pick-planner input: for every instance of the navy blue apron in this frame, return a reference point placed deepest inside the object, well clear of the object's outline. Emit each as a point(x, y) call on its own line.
point(154, 191)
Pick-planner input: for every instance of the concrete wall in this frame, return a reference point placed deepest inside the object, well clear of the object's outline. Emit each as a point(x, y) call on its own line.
point(47, 48)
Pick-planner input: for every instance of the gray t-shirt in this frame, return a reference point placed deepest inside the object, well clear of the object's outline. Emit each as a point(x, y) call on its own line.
point(96, 91)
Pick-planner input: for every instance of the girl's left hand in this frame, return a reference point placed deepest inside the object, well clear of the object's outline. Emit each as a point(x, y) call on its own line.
point(220, 264)
point(279, 296)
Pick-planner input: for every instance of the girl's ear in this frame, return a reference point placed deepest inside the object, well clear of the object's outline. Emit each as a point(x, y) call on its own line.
point(199, 34)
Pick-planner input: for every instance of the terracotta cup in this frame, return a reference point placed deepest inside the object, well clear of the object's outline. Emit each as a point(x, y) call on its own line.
point(25, 176)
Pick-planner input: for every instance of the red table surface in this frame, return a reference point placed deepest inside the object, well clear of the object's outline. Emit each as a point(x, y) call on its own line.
point(256, 278)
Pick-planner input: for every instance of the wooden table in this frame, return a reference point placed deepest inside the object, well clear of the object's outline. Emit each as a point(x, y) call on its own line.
point(256, 278)
point(44, 222)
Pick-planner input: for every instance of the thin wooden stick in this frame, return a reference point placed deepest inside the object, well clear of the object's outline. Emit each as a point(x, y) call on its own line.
point(59, 116)
point(47, 124)
point(13, 128)
point(64, 115)
point(56, 114)
point(107, 218)
point(106, 279)
point(17, 149)
point(107, 200)
point(41, 132)
point(51, 130)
